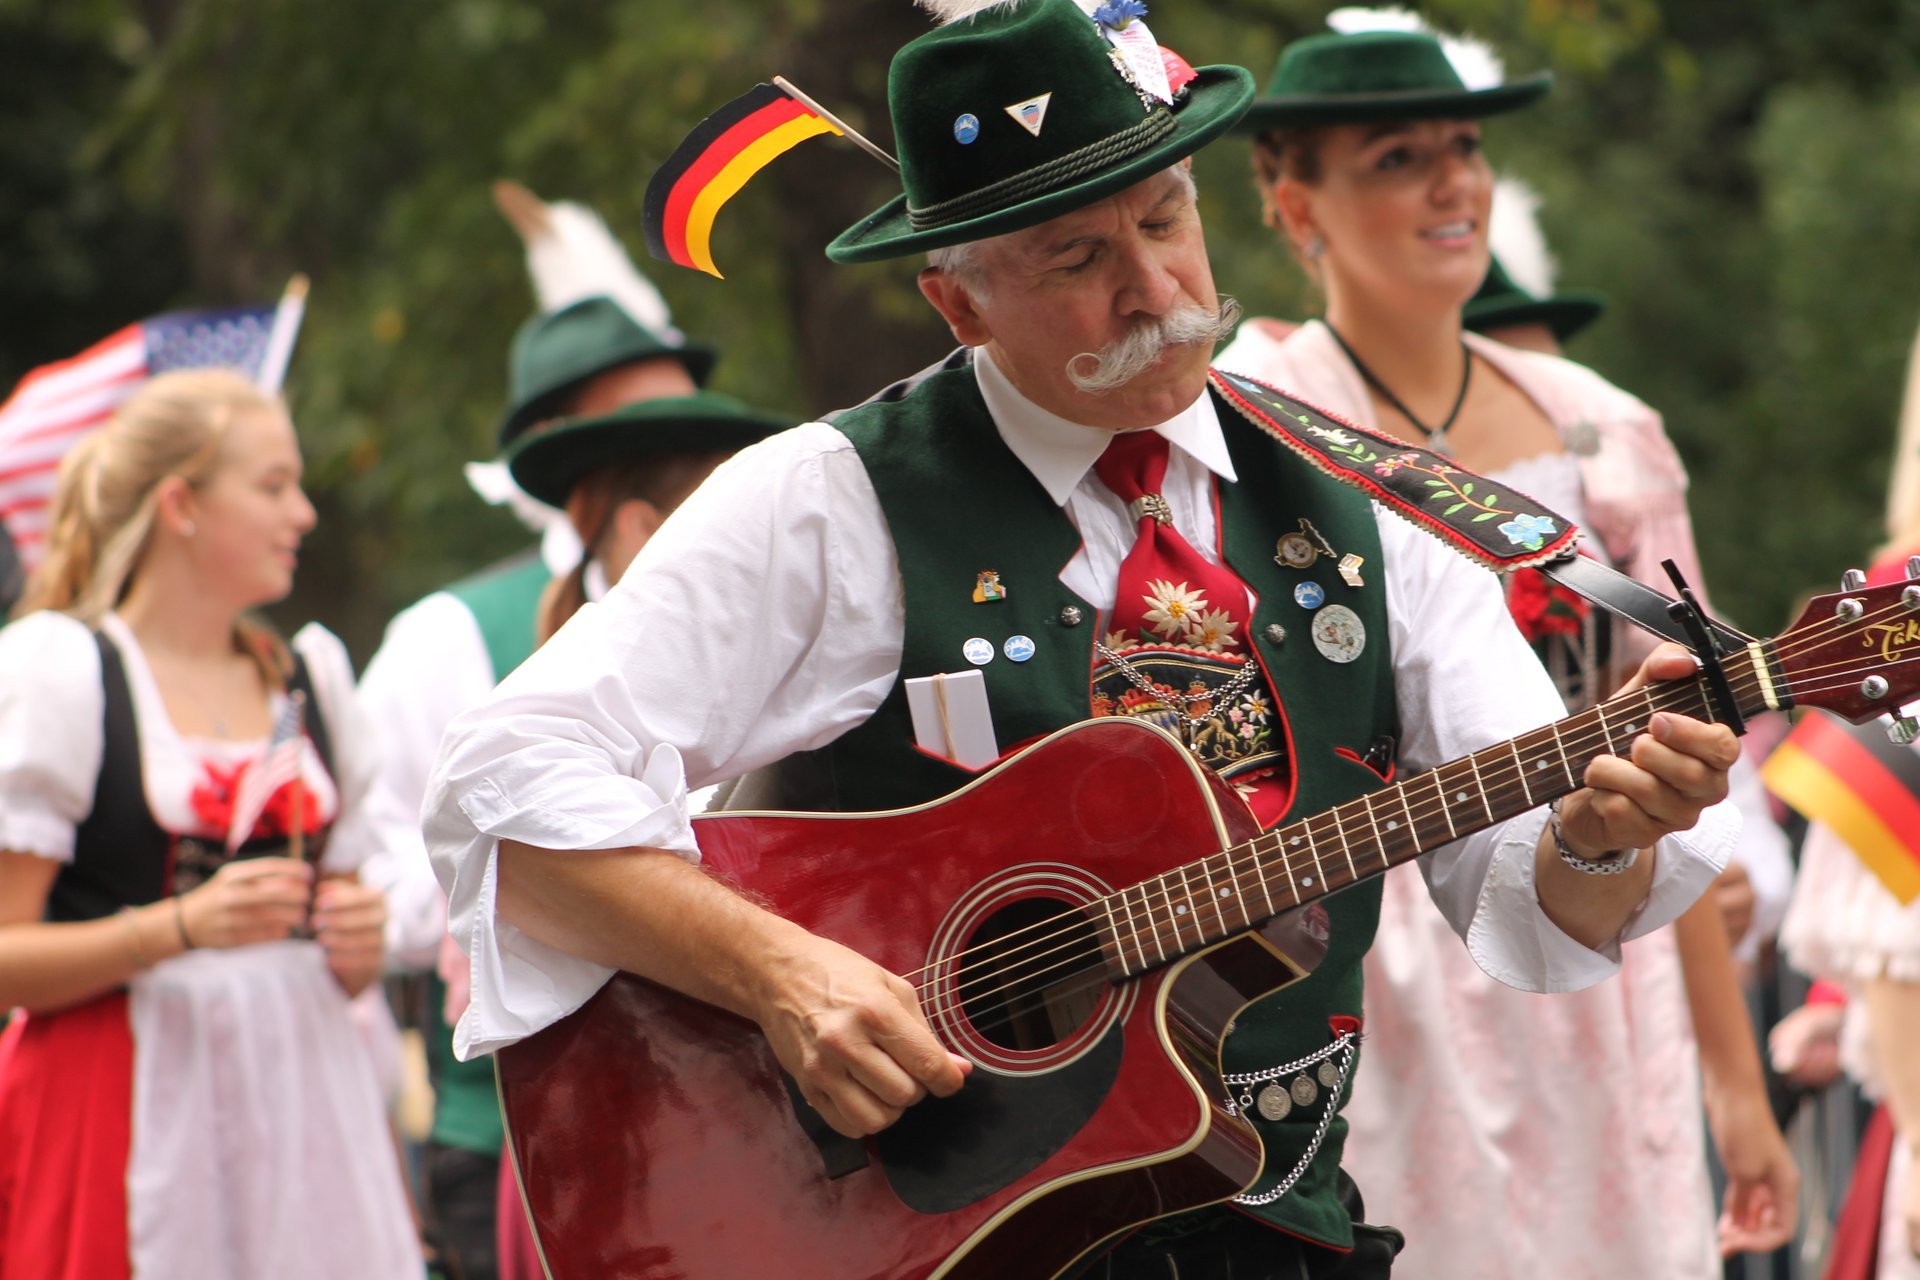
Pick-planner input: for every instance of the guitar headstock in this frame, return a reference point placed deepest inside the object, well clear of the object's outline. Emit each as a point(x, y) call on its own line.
point(1855, 652)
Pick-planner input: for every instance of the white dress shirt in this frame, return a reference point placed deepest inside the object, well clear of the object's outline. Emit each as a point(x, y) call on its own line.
point(766, 617)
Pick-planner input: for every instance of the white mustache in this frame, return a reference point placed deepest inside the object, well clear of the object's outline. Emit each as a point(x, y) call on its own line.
point(1133, 353)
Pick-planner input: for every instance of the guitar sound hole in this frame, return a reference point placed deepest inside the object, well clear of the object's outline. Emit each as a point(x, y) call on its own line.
point(1033, 974)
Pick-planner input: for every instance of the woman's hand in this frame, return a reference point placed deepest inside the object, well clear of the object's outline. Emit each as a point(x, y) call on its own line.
point(1805, 1045)
point(251, 900)
point(1763, 1183)
point(350, 923)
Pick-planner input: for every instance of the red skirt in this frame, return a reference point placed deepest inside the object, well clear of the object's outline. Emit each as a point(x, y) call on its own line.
point(66, 1123)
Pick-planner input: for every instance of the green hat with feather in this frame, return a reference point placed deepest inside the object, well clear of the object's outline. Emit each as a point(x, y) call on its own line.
point(1017, 111)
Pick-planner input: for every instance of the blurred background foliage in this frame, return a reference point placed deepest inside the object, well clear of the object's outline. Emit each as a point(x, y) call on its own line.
point(1738, 177)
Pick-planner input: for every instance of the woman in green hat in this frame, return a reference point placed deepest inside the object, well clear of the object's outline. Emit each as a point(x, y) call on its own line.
point(1577, 1117)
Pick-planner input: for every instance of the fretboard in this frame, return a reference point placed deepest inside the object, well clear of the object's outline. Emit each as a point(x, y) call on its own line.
point(1203, 902)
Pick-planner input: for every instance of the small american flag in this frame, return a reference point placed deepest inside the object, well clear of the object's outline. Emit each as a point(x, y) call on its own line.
point(57, 404)
point(272, 771)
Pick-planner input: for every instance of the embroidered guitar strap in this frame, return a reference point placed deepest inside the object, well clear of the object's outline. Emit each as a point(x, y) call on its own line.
point(1490, 524)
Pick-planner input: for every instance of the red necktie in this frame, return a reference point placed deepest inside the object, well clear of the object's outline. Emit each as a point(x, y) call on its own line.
point(1175, 648)
point(1168, 593)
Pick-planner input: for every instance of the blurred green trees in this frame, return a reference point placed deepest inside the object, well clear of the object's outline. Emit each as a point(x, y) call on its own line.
point(1739, 178)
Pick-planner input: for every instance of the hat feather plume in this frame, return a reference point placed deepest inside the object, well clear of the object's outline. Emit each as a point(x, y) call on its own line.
point(571, 255)
point(945, 11)
point(1474, 60)
point(1514, 234)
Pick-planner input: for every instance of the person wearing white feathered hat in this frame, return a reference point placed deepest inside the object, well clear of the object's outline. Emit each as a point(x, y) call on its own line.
point(1577, 1118)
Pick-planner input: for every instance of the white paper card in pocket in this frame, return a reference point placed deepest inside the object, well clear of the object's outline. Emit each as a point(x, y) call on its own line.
point(950, 717)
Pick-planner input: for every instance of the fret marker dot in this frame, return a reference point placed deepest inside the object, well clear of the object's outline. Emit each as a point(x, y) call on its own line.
point(1631, 729)
point(1307, 881)
point(1393, 823)
point(1461, 797)
point(1298, 839)
point(1540, 764)
point(1180, 910)
point(1226, 893)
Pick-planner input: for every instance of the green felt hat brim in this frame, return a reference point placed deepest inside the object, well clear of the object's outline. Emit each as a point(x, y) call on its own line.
point(1564, 313)
point(1215, 98)
point(1314, 110)
point(539, 403)
point(549, 463)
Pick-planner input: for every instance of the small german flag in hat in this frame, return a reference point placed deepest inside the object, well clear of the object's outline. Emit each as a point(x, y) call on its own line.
point(1862, 785)
point(715, 161)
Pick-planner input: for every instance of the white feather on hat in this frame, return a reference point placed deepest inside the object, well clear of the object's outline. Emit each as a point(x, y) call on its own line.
point(1474, 60)
point(945, 11)
point(1513, 233)
point(572, 255)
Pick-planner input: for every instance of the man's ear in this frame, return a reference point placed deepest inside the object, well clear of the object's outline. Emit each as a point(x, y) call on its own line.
point(955, 304)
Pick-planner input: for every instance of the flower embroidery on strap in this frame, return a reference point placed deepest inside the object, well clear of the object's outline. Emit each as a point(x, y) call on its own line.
point(1528, 531)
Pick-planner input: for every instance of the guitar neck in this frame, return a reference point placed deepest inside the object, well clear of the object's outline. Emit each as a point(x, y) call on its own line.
point(1225, 893)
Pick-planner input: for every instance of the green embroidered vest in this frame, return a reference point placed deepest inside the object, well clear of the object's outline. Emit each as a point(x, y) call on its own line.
point(503, 600)
point(958, 502)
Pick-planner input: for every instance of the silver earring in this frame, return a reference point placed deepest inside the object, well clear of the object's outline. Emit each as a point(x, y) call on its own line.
point(1315, 247)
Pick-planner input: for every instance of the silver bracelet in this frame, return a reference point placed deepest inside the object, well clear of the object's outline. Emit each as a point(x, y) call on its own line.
point(1611, 865)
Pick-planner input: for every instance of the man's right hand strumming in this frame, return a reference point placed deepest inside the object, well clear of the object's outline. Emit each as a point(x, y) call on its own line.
point(851, 1034)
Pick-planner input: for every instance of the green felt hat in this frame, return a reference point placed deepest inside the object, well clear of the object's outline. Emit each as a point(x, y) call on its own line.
point(547, 464)
point(1501, 303)
point(1370, 76)
point(1021, 113)
point(555, 352)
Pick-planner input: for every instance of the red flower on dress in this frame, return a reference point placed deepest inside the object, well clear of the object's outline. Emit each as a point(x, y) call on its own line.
point(277, 818)
point(1542, 607)
point(212, 797)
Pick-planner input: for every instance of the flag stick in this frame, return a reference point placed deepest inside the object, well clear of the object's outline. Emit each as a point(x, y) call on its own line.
point(296, 798)
point(848, 131)
point(286, 326)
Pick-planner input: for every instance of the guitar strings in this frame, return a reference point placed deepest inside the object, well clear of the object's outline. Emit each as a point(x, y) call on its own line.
point(1164, 920)
point(1161, 922)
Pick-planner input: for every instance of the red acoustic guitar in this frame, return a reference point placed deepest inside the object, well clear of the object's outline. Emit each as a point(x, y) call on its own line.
point(1082, 922)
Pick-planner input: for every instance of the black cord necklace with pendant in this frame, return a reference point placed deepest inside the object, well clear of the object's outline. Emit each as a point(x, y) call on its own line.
point(1436, 436)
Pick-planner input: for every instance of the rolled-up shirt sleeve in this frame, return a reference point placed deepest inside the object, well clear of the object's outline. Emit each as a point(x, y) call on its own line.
point(762, 619)
point(1466, 680)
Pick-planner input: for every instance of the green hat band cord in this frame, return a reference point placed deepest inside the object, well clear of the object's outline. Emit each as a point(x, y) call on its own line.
point(1094, 156)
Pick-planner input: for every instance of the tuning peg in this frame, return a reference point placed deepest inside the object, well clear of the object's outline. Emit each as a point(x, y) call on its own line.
point(1913, 568)
point(1903, 730)
point(1852, 580)
point(1910, 597)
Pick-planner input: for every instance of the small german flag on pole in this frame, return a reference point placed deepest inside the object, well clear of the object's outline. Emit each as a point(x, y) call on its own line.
point(1862, 785)
point(714, 162)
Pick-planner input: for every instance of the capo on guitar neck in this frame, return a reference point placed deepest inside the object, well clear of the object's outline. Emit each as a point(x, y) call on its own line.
point(1706, 647)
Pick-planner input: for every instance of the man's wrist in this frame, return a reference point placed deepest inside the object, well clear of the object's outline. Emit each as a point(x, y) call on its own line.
point(1605, 862)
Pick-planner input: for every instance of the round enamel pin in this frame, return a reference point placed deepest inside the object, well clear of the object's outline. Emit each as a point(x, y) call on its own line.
point(1338, 633)
point(966, 128)
point(1295, 551)
point(1018, 648)
point(1309, 595)
point(978, 651)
